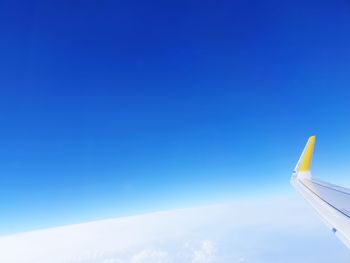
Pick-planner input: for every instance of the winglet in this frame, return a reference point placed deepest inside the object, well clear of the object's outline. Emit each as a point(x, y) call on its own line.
point(305, 160)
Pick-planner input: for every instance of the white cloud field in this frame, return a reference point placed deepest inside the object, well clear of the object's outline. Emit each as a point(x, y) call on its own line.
point(267, 230)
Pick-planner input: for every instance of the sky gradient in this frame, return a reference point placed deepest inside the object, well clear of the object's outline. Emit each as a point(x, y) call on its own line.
point(112, 108)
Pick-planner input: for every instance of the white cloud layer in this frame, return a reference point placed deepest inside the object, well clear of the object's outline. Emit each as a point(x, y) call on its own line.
point(272, 230)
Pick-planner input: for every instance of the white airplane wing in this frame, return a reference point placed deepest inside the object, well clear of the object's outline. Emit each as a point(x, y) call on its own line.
point(330, 201)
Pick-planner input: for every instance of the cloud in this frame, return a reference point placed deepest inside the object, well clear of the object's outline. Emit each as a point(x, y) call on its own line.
point(188, 252)
point(205, 254)
point(151, 256)
point(270, 230)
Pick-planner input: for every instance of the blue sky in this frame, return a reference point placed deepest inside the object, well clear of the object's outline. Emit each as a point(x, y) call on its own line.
point(110, 108)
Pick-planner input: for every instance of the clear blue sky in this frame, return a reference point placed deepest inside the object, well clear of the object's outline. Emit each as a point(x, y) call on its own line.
point(110, 108)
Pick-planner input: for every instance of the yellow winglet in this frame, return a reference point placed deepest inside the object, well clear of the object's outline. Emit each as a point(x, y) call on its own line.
point(306, 162)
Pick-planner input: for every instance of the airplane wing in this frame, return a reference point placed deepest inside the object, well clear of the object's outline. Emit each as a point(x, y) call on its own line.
point(331, 202)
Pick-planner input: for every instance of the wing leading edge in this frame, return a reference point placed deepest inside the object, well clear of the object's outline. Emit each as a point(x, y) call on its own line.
point(331, 202)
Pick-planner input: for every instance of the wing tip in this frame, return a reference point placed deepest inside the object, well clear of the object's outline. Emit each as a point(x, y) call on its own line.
point(305, 160)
